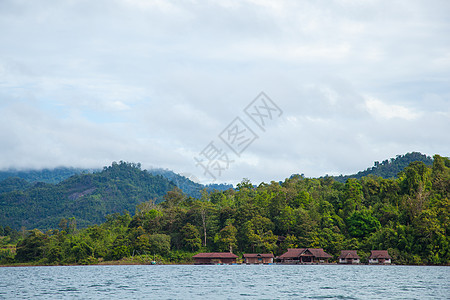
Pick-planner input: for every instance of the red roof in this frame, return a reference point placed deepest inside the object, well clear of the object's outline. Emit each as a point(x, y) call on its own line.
point(295, 253)
point(215, 255)
point(318, 252)
point(349, 254)
point(292, 253)
point(380, 254)
point(255, 255)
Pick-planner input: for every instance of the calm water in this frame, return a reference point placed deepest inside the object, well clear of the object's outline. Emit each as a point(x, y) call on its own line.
point(226, 282)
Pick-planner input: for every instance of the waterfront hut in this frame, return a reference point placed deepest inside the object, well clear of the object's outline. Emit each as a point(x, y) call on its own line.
point(379, 257)
point(304, 256)
point(214, 258)
point(258, 258)
point(349, 257)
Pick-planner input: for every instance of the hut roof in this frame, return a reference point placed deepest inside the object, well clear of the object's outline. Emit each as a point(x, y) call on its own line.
point(215, 255)
point(255, 255)
point(295, 253)
point(292, 253)
point(380, 254)
point(318, 252)
point(349, 254)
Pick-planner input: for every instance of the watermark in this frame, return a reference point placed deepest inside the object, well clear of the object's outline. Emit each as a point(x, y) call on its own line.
point(189, 176)
point(213, 160)
point(237, 136)
point(262, 110)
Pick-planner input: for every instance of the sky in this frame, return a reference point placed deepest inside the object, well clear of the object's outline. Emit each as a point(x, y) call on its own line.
point(223, 90)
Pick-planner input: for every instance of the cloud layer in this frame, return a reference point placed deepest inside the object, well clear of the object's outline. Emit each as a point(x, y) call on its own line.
point(84, 83)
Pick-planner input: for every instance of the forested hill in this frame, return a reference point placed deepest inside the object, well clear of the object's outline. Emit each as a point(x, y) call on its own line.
point(409, 216)
point(87, 197)
point(189, 187)
point(20, 179)
point(389, 168)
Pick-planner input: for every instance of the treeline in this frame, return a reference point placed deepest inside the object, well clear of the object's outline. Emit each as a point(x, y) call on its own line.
point(389, 168)
point(87, 197)
point(189, 187)
point(409, 216)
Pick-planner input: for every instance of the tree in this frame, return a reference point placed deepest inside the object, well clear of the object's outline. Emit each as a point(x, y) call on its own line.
point(191, 237)
point(159, 243)
point(289, 242)
point(173, 198)
point(353, 196)
point(227, 238)
point(286, 219)
point(32, 247)
point(362, 223)
point(202, 208)
point(416, 178)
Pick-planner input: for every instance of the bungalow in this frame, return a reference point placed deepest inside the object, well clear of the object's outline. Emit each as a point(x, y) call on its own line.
point(379, 257)
point(214, 258)
point(304, 255)
point(257, 258)
point(348, 257)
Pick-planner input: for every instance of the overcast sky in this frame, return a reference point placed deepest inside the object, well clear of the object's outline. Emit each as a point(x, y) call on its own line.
point(85, 83)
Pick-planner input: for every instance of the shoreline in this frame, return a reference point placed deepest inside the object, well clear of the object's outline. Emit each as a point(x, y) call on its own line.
point(130, 263)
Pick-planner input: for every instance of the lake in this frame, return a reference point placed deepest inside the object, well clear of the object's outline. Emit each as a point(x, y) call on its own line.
point(226, 282)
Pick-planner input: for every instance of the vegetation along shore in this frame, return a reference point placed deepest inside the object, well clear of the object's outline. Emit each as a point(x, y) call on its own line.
point(67, 223)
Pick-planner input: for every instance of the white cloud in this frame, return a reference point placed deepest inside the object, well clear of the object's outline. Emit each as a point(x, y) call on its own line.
point(379, 109)
point(84, 83)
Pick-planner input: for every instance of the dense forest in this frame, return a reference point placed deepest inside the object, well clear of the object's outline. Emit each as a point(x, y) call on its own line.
point(408, 216)
point(21, 180)
point(389, 168)
point(88, 197)
point(189, 187)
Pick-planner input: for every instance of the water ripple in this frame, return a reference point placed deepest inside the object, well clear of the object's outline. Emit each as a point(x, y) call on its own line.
point(226, 282)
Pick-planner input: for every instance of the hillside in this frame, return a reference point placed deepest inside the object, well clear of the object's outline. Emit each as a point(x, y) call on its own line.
point(19, 179)
point(87, 197)
point(408, 216)
point(389, 168)
point(189, 187)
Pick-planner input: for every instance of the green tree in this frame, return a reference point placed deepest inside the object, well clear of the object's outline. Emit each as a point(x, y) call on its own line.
point(32, 247)
point(227, 238)
point(362, 223)
point(191, 237)
point(353, 196)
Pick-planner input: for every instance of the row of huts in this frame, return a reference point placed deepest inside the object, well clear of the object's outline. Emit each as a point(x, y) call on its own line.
point(292, 256)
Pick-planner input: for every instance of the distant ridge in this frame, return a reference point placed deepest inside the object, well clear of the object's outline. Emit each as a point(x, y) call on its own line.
point(188, 186)
point(57, 175)
point(389, 168)
point(41, 198)
point(47, 175)
point(88, 197)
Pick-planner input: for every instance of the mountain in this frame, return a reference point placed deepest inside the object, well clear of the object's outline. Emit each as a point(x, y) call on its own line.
point(188, 186)
point(14, 184)
point(389, 168)
point(55, 175)
point(87, 197)
point(408, 216)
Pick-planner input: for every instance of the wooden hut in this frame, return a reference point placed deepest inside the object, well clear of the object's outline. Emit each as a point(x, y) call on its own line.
point(304, 255)
point(379, 257)
point(258, 258)
point(214, 258)
point(349, 257)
